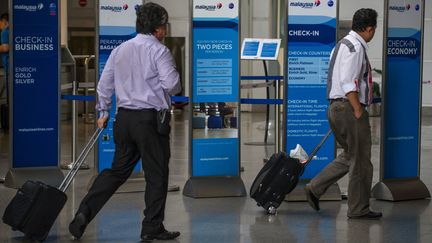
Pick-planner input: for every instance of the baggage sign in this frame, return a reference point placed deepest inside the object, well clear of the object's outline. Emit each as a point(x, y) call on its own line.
point(116, 25)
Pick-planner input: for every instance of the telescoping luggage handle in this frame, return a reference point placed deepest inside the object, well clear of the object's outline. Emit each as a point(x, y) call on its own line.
point(318, 147)
point(81, 158)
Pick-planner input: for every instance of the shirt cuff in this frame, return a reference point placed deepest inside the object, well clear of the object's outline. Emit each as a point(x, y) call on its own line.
point(103, 114)
point(349, 87)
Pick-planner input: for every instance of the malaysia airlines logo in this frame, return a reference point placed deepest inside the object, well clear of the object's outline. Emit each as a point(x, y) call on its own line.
point(400, 9)
point(317, 3)
point(219, 5)
point(115, 9)
point(29, 8)
point(304, 4)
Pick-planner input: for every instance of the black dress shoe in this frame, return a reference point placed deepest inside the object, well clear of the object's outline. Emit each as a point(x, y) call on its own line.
point(165, 235)
point(369, 215)
point(312, 200)
point(78, 225)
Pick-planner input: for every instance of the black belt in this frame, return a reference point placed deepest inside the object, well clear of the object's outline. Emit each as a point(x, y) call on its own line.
point(144, 110)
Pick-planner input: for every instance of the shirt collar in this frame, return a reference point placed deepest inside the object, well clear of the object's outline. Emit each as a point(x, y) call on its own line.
point(359, 38)
point(150, 37)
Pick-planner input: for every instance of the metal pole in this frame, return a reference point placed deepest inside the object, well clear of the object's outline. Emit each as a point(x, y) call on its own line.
point(74, 121)
point(277, 120)
point(87, 60)
point(267, 106)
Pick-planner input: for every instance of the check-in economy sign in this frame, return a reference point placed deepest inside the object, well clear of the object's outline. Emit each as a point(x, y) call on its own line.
point(35, 83)
point(402, 95)
point(311, 38)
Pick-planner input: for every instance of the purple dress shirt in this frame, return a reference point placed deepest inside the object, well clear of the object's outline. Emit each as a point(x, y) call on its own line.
point(142, 73)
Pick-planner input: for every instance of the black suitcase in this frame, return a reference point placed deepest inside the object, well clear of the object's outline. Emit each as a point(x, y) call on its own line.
point(4, 116)
point(35, 207)
point(278, 177)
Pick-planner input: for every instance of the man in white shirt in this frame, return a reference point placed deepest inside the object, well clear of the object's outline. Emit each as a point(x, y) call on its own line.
point(349, 90)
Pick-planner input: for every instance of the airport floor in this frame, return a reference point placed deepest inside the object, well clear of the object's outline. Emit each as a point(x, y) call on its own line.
point(235, 219)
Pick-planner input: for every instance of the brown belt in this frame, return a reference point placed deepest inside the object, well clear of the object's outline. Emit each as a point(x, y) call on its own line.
point(338, 100)
point(342, 100)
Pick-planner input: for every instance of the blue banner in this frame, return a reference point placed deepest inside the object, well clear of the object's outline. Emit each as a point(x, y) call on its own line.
point(35, 88)
point(215, 60)
point(311, 38)
point(402, 104)
point(116, 25)
point(215, 81)
point(215, 157)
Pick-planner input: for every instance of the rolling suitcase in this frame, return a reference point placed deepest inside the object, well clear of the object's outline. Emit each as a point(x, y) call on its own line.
point(36, 205)
point(278, 177)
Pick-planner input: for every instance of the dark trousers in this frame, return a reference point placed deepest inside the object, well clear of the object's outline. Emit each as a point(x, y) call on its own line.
point(354, 135)
point(135, 137)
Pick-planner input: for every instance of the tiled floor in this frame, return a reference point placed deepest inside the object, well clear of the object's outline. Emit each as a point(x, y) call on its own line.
point(237, 219)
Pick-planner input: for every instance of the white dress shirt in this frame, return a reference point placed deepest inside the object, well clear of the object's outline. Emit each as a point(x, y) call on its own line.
point(142, 73)
point(351, 71)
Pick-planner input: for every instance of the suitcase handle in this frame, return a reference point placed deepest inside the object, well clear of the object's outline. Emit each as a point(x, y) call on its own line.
point(81, 158)
point(314, 152)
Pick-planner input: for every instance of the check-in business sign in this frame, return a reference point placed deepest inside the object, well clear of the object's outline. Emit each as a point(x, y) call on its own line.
point(35, 87)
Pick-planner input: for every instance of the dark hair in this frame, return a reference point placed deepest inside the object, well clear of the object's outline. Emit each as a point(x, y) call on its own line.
point(5, 16)
point(363, 18)
point(149, 17)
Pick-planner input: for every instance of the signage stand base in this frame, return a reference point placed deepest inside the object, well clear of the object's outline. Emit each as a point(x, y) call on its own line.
point(400, 190)
point(15, 178)
point(298, 194)
point(207, 187)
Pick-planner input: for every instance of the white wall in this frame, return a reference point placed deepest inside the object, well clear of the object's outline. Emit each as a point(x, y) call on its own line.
point(256, 25)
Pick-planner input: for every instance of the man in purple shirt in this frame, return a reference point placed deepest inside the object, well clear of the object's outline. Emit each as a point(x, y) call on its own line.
point(142, 74)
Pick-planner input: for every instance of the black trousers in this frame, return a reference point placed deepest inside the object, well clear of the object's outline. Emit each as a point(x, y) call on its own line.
point(135, 137)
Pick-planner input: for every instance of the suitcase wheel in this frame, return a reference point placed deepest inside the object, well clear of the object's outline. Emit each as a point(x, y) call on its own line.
point(272, 210)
